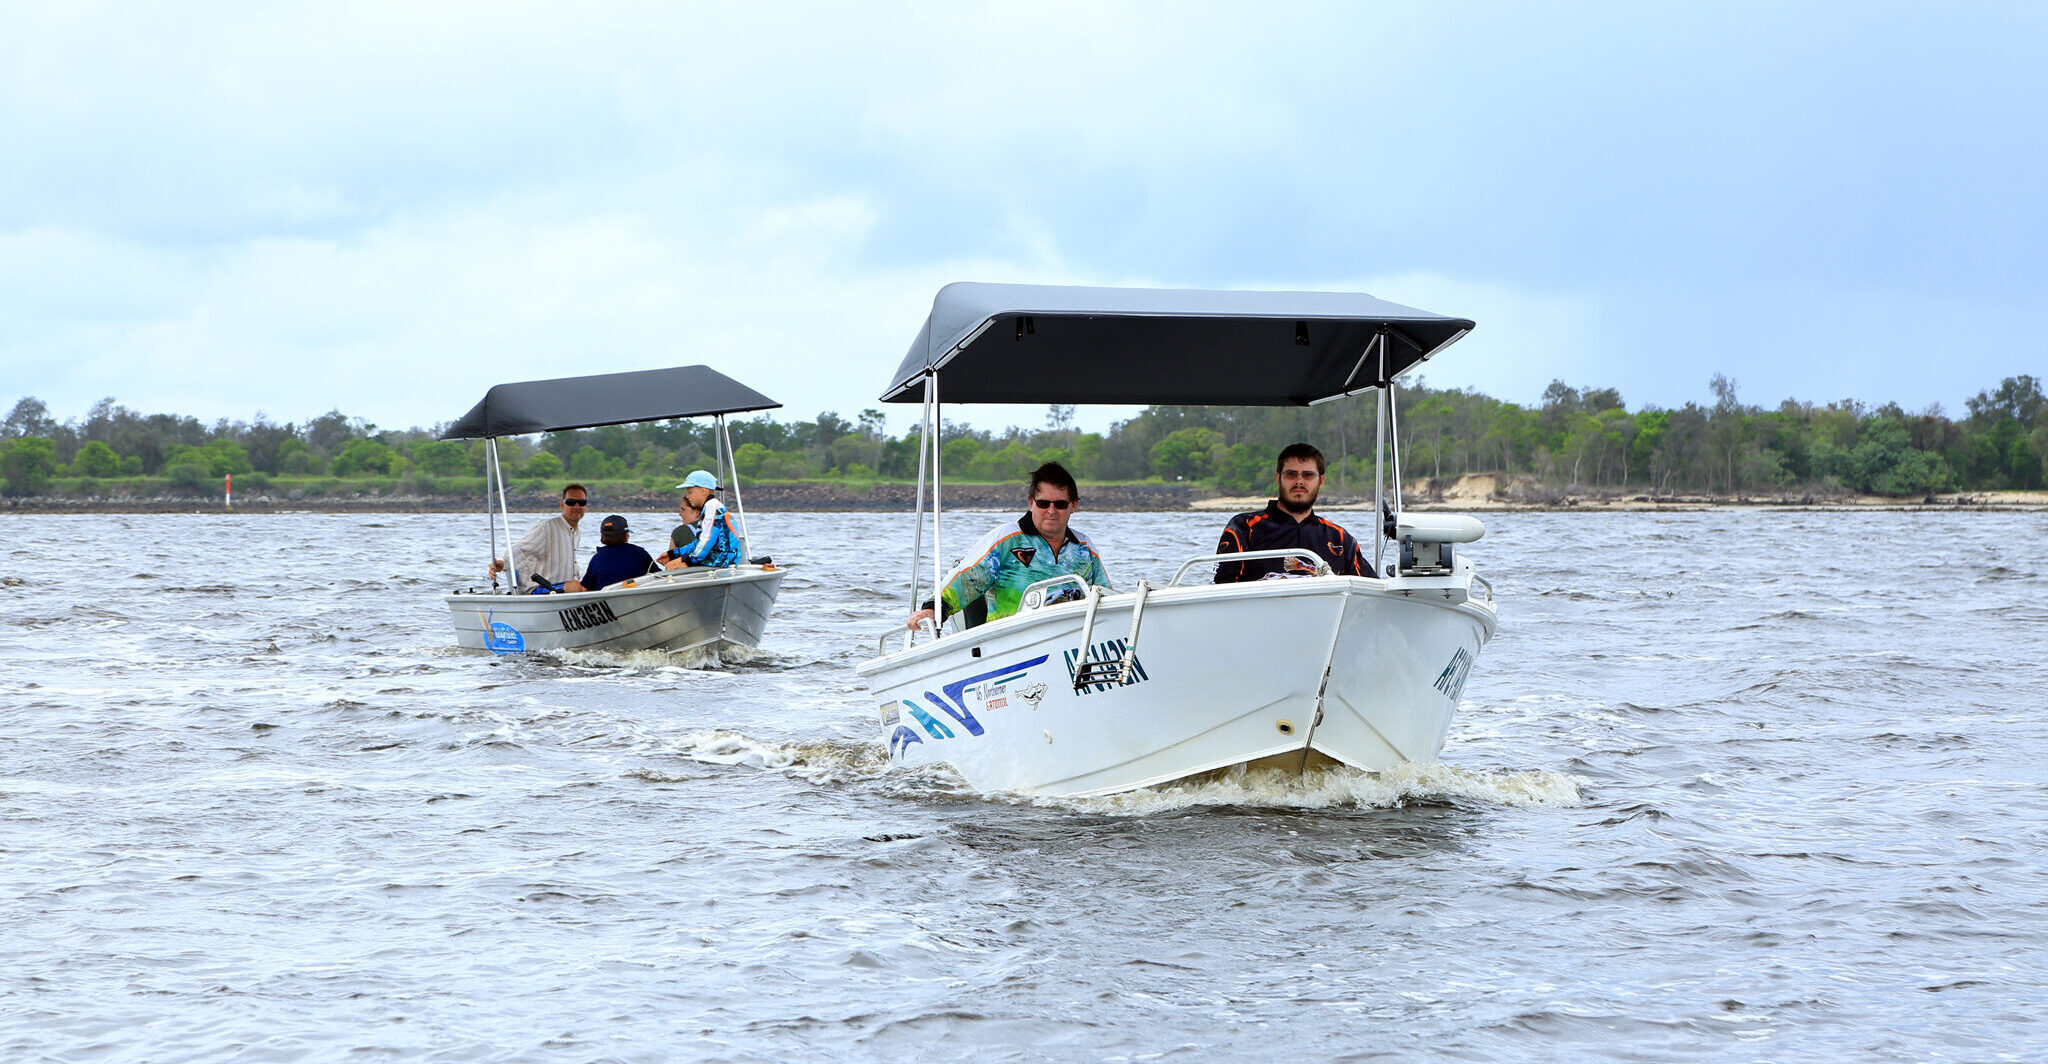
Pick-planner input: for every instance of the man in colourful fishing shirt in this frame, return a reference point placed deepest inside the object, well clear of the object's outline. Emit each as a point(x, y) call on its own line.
point(1011, 558)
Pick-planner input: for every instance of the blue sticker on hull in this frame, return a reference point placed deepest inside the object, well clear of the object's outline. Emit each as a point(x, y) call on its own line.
point(502, 638)
point(900, 740)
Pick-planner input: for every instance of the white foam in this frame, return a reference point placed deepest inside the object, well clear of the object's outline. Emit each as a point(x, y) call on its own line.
point(845, 761)
point(701, 659)
point(822, 762)
point(1341, 788)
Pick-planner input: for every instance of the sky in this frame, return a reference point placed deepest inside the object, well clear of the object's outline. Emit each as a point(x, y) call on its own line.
point(227, 209)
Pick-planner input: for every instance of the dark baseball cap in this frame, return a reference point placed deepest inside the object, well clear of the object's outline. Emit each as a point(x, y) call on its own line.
point(614, 523)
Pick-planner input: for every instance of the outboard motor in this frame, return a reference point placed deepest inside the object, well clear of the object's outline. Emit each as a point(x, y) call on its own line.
point(1426, 541)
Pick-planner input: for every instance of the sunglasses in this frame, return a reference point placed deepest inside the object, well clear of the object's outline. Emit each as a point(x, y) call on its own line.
point(1052, 504)
point(575, 502)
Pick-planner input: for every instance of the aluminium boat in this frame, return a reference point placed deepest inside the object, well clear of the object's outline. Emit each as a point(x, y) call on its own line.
point(1088, 692)
point(675, 610)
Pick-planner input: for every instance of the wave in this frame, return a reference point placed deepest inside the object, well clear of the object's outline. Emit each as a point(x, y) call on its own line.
point(841, 762)
point(699, 659)
point(1342, 788)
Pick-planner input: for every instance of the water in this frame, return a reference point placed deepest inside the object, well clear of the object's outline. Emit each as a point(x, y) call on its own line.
point(1726, 786)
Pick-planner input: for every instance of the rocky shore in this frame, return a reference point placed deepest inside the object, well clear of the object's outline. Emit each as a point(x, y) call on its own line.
point(802, 497)
point(1471, 492)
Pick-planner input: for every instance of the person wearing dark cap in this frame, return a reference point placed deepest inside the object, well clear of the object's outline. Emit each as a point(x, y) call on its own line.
point(616, 560)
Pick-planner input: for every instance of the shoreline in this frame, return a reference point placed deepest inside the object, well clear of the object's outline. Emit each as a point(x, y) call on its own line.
point(1135, 498)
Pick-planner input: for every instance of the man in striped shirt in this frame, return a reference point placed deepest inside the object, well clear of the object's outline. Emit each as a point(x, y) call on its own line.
point(547, 553)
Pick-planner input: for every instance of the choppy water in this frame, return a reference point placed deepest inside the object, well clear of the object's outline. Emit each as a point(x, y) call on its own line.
point(1727, 786)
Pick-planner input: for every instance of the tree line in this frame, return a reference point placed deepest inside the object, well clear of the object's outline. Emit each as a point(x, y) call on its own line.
point(1574, 439)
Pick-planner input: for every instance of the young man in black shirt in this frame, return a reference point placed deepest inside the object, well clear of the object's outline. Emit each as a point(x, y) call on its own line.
point(1290, 521)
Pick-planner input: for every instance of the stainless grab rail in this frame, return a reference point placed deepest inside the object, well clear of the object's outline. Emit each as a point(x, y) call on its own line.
point(1038, 589)
point(909, 636)
point(1322, 566)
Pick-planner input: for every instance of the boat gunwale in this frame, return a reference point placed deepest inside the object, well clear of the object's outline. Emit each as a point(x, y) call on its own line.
point(1396, 588)
point(720, 577)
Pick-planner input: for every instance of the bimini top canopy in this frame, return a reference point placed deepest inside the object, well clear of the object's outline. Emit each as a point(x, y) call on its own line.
point(1018, 343)
point(605, 399)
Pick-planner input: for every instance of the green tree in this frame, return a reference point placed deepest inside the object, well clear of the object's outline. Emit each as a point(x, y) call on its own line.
point(959, 455)
point(188, 470)
point(1245, 469)
point(1013, 463)
point(364, 457)
point(96, 459)
point(1087, 455)
point(28, 464)
point(441, 458)
point(1184, 453)
point(587, 463)
point(849, 450)
point(225, 457)
point(544, 465)
point(298, 459)
point(749, 457)
point(30, 417)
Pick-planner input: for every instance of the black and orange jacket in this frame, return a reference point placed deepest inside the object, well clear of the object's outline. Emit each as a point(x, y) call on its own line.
point(1273, 529)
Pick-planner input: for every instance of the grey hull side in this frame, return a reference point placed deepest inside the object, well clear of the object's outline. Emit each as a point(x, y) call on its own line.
point(681, 612)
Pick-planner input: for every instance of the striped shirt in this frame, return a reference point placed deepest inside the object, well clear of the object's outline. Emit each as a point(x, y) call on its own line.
point(548, 551)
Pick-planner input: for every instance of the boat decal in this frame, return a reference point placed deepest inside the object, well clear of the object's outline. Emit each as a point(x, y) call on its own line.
point(1107, 650)
point(900, 741)
point(502, 638)
point(932, 725)
point(589, 615)
point(1032, 694)
point(990, 688)
point(1452, 680)
point(954, 704)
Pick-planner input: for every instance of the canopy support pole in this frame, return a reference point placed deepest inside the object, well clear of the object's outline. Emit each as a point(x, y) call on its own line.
point(938, 423)
point(739, 509)
point(924, 446)
point(511, 563)
point(490, 447)
point(1394, 441)
point(1379, 458)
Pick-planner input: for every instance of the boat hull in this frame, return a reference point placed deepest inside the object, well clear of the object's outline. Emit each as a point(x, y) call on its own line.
point(679, 610)
point(1275, 673)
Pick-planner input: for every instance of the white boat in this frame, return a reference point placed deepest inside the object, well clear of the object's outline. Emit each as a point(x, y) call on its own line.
point(1122, 690)
point(676, 610)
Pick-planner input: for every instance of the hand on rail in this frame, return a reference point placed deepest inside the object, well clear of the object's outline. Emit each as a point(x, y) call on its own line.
point(925, 616)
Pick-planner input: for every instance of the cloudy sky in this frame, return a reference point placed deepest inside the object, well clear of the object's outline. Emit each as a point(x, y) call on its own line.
point(220, 209)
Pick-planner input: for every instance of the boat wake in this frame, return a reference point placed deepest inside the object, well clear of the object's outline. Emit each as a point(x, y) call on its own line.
point(700, 659)
point(848, 762)
point(825, 762)
point(1340, 787)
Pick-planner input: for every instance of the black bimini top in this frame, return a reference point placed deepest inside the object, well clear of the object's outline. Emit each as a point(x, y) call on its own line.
point(1019, 343)
point(605, 399)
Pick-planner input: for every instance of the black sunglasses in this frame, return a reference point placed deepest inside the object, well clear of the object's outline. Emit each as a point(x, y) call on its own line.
point(1056, 504)
point(575, 502)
